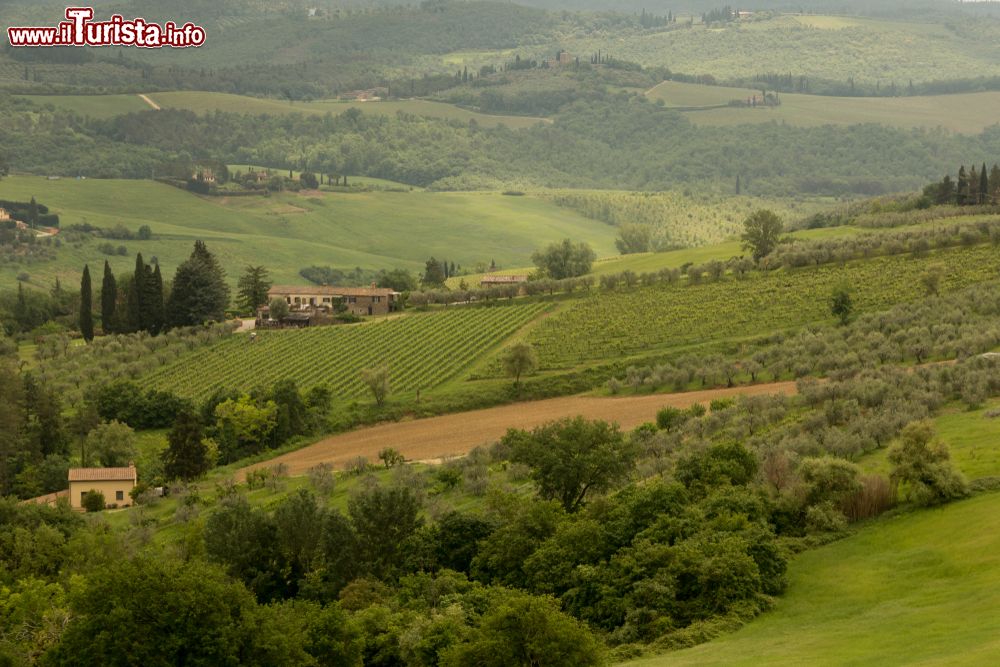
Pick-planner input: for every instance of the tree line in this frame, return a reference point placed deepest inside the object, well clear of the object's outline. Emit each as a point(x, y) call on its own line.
point(141, 302)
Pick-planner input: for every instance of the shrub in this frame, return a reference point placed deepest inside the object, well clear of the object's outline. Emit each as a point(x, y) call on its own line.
point(93, 501)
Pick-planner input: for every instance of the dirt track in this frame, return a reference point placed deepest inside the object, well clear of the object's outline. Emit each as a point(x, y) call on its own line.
point(458, 433)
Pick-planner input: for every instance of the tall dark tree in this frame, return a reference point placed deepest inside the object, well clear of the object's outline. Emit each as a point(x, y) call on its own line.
point(185, 457)
point(251, 290)
point(109, 298)
point(994, 184)
point(153, 301)
point(434, 275)
point(33, 213)
point(984, 185)
point(962, 188)
point(86, 306)
point(199, 293)
point(135, 304)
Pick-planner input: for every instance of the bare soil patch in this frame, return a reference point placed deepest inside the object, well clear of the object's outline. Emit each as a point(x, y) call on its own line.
point(457, 434)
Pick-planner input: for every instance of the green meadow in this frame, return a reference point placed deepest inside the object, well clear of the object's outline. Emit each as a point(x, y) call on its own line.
point(966, 113)
point(915, 589)
point(109, 106)
point(289, 231)
point(827, 47)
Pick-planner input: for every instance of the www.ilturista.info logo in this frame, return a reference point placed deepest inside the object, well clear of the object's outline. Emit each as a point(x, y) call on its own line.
point(79, 30)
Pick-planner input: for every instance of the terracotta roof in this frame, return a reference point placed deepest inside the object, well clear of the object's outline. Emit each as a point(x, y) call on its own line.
point(102, 474)
point(330, 290)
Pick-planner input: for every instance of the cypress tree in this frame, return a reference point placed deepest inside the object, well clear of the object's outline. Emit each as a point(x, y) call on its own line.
point(135, 306)
point(984, 185)
point(86, 304)
point(962, 188)
point(154, 300)
point(109, 297)
point(973, 197)
point(33, 213)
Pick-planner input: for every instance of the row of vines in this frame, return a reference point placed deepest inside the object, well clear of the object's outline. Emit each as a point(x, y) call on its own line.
point(420, 350)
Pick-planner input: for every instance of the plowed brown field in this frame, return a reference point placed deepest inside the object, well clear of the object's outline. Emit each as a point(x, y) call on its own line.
point(456, 434)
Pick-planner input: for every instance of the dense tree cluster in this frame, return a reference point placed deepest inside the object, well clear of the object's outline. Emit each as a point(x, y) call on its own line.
point(620, 142)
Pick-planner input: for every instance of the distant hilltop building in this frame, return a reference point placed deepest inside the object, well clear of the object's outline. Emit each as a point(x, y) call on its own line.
point(4, 215)
point(562, 58)
point(494, 280)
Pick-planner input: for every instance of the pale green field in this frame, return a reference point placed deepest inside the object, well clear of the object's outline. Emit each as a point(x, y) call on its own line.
point(202, 102)
point(108, 106)
point(971, 436)
point(648, 262)
point(287, 232)
point(817, 47)
point(95, 106)
point(967, 113)
point(918, 589)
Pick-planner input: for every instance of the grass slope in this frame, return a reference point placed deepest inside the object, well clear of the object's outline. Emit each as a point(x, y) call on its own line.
point(967, 113)
point(286, 232)
point(108, 106)
point(868, 50)
point(915, 589)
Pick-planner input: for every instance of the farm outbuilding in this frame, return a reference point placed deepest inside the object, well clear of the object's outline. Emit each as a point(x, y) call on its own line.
point(114, 483)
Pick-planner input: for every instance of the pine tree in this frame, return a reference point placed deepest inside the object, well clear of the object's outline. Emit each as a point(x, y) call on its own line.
point(86, 305)
point(199, 293)
point(109, 297)
point(252, 288)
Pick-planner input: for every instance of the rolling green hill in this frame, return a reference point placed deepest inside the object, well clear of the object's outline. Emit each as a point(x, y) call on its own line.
point(914, 589)
point(108, 106)
point(968, 113)
point(836, 48)
point(287, 232)
point(641, 321)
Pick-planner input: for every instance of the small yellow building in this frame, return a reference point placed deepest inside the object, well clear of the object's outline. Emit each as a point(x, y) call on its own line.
point(114, 483)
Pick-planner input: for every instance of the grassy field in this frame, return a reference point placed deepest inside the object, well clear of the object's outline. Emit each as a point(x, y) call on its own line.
point(971, 436)
point(968, 113)
point(918, 589)
point(108, 106)
point(868, 50)
point(287, 232)
point(649, 262)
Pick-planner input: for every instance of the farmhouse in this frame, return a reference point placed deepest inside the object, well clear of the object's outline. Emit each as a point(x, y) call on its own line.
point(355, 300)
point(4, 215)
point(495, 280)
point(114, 483)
